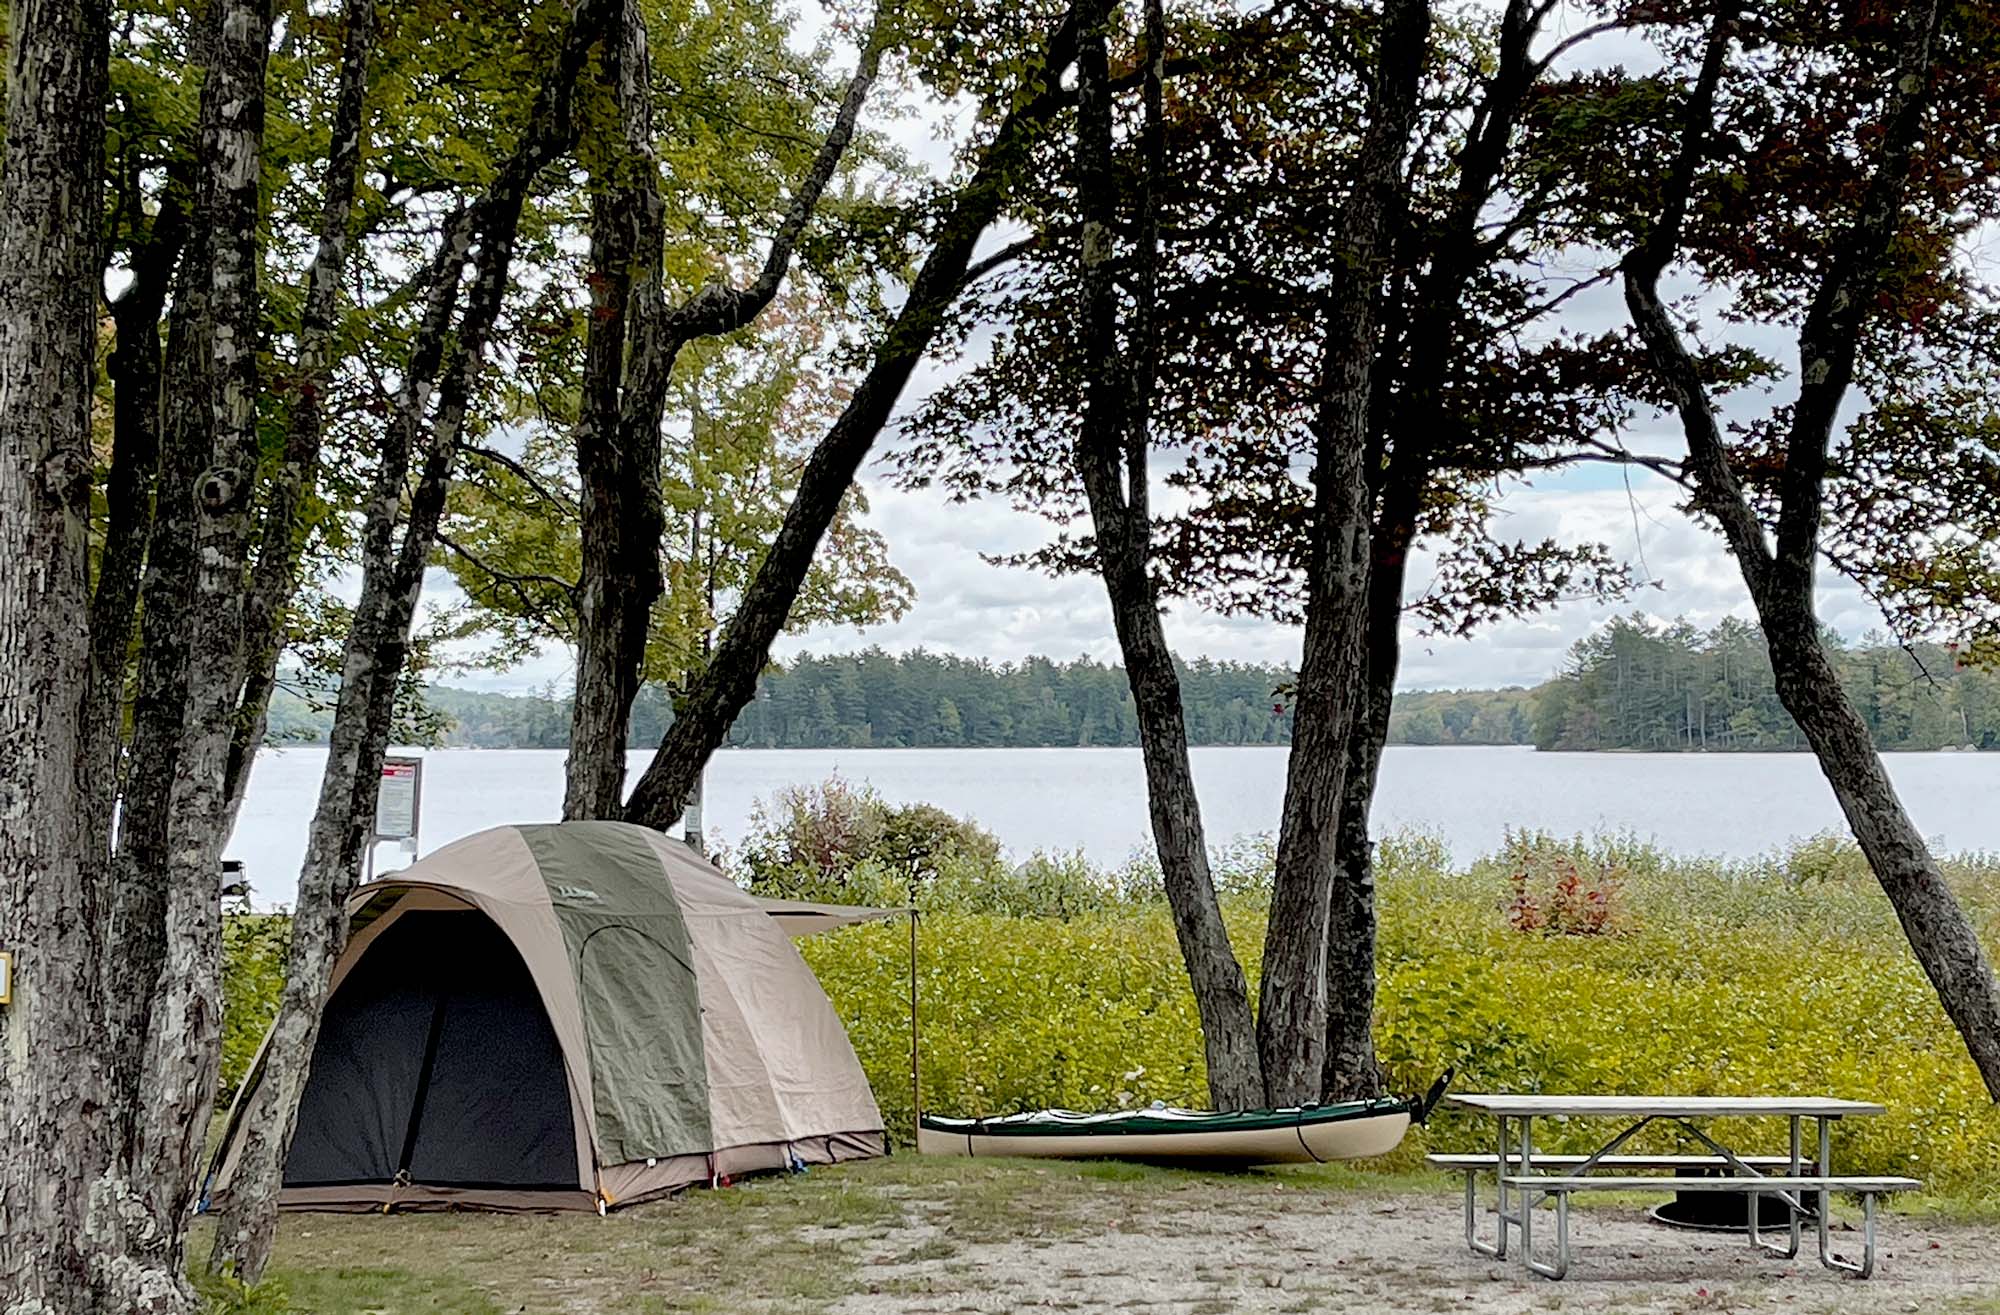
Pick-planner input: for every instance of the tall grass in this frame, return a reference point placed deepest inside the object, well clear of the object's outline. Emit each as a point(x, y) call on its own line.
point(1786, 975)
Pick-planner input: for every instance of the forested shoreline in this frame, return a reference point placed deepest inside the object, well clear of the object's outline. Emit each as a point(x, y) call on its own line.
point(1637, 685)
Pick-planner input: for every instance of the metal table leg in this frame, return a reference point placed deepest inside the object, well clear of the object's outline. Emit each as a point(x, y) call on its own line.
point(1498, 1248)
point(1560, 1266)
point(1826, 1256)
point(1793, 1205)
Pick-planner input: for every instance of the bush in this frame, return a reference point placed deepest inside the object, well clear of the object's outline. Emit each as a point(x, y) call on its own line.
point(848, 845)
point(1555, 895)
point(253, 974)
point(225, 1294)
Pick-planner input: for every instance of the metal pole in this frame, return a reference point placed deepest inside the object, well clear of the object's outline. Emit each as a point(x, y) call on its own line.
point(916, 1081)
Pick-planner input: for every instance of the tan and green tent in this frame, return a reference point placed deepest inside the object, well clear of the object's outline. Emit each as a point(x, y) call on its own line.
point(577, 1015)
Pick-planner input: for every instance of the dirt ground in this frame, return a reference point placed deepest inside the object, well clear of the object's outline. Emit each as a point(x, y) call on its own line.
point(955, 1237)
point(1406, 1253)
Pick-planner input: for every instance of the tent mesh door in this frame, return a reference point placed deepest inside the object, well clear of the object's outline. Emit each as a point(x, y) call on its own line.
point(436, 1060)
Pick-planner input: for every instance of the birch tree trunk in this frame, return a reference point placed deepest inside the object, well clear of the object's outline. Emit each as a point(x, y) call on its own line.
point(1111, 457)
point(378, 640)
point(1291, 1015)
point(55, 1136)
point(184, 1030)
point(729, 681)
point(282, 537)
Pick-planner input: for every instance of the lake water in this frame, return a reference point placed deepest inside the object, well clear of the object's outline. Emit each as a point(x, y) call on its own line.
point(1734, 805)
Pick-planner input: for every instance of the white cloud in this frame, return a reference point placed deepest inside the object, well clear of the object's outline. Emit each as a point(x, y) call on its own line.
point(964, 605)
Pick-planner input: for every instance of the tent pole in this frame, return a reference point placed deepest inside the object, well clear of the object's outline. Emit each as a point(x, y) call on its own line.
point(916, 1082)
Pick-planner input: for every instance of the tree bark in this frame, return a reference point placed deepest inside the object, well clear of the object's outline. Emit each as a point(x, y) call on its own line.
point(618, 455)
point(135, 371)
point(1291, 1015)
point(1352, 1070)
point(1439, 267)
point(55, 1138)
point(378, 641)
point(282, 539)
point(618, 440)
point(1111, 458)
point(135, 903)
point(730, 679)
point(1779, 570)
point(1943, 938)
point(184, 1028)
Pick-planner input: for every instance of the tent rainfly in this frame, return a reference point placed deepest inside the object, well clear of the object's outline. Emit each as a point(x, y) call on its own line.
point(578, 1015)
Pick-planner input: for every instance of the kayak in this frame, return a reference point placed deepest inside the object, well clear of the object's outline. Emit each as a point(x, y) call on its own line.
point(1309, 1135)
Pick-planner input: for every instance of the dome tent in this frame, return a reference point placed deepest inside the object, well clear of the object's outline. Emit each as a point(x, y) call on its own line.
point(571, 1015)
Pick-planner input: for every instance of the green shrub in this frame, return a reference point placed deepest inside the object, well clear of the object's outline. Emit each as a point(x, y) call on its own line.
point(253, 974)
point(225, 1294)
point(845, 844)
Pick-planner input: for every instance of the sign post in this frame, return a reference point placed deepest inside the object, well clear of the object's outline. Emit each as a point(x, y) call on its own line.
point(398, 807)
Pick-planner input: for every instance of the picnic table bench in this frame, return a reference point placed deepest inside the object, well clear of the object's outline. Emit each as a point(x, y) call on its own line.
point(1524, 1177)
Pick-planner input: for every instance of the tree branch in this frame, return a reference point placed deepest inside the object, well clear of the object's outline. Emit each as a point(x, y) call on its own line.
point(522, 473)
point(719, 309)
point(1831, 335)
point(1718, 491)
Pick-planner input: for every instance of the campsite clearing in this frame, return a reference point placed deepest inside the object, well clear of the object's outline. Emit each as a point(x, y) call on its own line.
point(909, 1236)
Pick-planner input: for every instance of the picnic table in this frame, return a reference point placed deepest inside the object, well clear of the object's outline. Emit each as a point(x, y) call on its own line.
point(1524, 1177)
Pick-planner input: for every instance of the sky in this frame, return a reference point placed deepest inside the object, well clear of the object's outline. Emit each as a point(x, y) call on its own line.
point(965, 605)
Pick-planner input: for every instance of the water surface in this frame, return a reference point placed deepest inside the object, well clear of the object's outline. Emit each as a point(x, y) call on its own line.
point(1093, 800)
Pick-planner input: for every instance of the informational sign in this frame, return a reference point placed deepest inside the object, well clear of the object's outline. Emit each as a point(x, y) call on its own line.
point(6, 979)
point(397, 805)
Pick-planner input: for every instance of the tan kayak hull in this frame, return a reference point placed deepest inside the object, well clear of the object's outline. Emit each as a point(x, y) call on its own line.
point(1347, 1139)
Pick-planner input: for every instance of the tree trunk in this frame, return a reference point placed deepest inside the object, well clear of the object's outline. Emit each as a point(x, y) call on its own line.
point(378, 642)
point(1291, 1015)
point(1111, 458)
point(135, 905)
point(246, 1222)
point(1352, 1070)
point(1222, 997)
point(282, 540)
point(184, 1030)
point(1943, 938)
point(730, 679)
point(618, 440)
point(1781, 582)
point(55, 1138)
point(618, 444)
point(135, 371)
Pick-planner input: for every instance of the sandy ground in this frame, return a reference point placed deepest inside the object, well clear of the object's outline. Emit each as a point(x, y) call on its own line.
point(1404, 1253)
